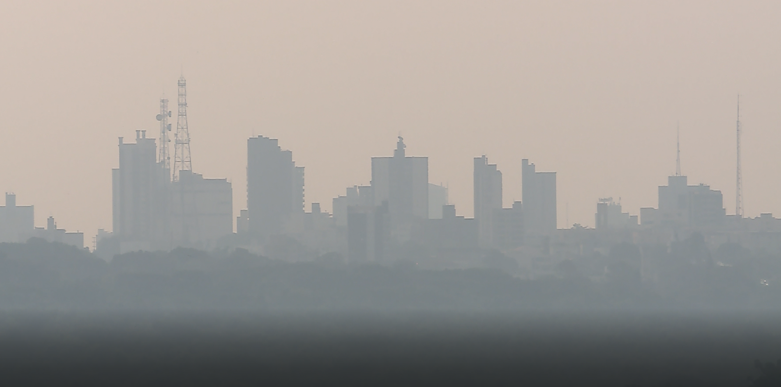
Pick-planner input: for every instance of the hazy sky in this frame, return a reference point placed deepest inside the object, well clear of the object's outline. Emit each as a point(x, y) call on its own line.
point(589, 89)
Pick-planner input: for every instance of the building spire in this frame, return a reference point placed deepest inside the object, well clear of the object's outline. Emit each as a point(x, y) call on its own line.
point(739, 175)
point(678, 145)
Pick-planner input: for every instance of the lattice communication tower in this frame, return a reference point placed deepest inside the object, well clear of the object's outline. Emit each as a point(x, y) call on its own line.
point(739, 174)
point(182, 160)
point(163, 156)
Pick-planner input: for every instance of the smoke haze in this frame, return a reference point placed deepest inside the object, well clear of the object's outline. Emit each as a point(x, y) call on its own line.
point(592, 90)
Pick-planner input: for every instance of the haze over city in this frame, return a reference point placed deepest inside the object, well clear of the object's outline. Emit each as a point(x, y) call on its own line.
point(591, 90)
point(390, 193)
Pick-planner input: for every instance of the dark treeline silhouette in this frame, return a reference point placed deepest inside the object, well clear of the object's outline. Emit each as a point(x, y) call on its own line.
point(203, 317)
point(38, 274)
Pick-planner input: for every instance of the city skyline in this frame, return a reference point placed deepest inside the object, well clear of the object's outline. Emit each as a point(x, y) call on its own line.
point(405, 192)
point(337, 97)
point(462, 210)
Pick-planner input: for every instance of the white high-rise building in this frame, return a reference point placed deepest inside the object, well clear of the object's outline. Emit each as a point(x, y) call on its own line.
point(140, 187)
point(539, 200)
point(275, 187)
point(16, 222)
point(487, 198)
point(201, 210)
point(402, 182)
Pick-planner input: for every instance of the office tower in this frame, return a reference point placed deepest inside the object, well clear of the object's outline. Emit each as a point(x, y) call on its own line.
point(610, 216)
point(507, 227)
point(274, 186)
point(242, 222)
point(368, 233)
point(402, 182)
point(453, 235)
point(201, 210)
point(138, 183)
point(16, 222)
point(437, 198)
point(539, 200)
point(487, 198)
point(682, 205)
point(298, 190)
point(361, 196)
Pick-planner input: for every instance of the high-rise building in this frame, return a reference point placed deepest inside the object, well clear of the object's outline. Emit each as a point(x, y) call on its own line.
point(201, 210)
point(368, 233)
point(361, 196)
point(299, 193)
point(437, 198)
point(402, 182)
point(139, 215)
point(683, 205)
point(242, 222)
point(539, 200)
point(16, 222)
point(275, 186)
point(487, 198)
point(449, 233)
point(507, 227)
point(610, 216)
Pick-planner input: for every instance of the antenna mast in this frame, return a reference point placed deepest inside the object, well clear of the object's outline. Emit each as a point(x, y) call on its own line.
point(163, 156)
point(739, 175)
point(678, 157)
point(182, 160)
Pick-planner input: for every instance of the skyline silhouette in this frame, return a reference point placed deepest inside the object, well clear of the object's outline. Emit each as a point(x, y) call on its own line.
point(592, 91)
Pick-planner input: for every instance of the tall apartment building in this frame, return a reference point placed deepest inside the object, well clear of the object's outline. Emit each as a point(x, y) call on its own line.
point(684, 205)
point(487, 198)
point(402, 182)
point(437, 198)
point(610, 216)
point(275, 187)
point(507, 227)
point(16, 222)
point(201, 210)
point(539, 200)
point(368, 233)
point(360, 196)
point(139, 188)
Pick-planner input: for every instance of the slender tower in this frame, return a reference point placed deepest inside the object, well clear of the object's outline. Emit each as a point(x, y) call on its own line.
point(182, 161)
point(739, 175)
point(163, 156)
point(678, 156)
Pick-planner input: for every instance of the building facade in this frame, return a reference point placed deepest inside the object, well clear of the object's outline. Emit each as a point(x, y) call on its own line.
point(201, 210)
point(140, 190)
point(275, 187)
point(437, 197)
point(16, 222)
point(539, 200)
point(689, 206)
point(402, 183)
point(487, 198)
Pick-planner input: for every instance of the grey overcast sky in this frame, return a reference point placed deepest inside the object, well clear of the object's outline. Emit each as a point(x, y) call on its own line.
point(589, 89)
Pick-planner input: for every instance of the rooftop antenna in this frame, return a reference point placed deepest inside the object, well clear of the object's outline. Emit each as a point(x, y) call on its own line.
point(163, 156)
point(739, 176)
point(678, 157)
point(182, 159)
